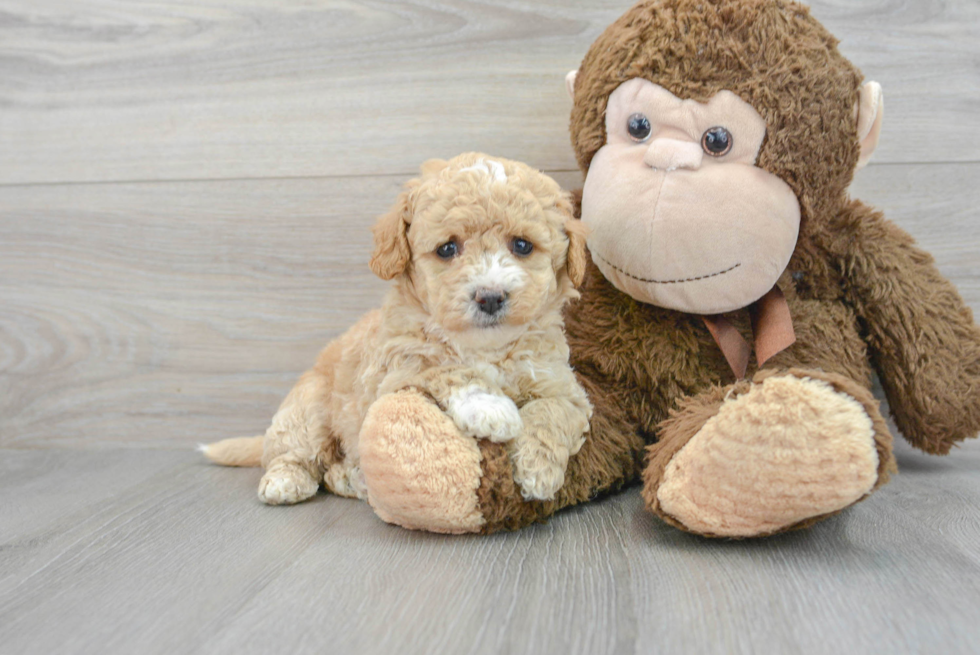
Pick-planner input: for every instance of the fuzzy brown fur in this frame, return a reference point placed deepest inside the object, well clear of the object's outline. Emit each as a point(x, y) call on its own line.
point(668, 410)
point(863, 298)
point(692, 412)
point(771, 54)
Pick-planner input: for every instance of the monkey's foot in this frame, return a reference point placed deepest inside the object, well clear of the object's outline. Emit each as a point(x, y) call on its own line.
point(758, 458)
point(421, 472)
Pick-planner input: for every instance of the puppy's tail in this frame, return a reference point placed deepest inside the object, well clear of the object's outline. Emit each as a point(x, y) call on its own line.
point(240, 451)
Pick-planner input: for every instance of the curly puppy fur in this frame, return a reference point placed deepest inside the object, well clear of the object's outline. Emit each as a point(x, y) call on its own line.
point(500, 373)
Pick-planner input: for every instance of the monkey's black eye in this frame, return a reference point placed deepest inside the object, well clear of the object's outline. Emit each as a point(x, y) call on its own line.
point(522, 247)
point(717, 141)
point(638, 126)
point(448, 250)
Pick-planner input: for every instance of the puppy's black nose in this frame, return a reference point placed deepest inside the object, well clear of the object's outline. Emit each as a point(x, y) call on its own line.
point(490, 302)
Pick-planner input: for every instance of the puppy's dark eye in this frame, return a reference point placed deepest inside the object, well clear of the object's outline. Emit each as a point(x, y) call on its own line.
point(638, 126)
point(717, 142)
point(447, 250)
point(522, 247)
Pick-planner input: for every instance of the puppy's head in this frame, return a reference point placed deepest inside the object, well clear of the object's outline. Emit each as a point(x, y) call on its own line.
point(482, 242)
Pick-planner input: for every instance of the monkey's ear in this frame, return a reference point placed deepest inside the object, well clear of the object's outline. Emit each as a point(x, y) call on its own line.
point(870, 112)
point(570, 83)
point(575, 260)
point(391, 250)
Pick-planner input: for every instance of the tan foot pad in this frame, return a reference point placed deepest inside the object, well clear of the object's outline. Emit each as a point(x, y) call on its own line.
point(421, 473)
point(787, 450)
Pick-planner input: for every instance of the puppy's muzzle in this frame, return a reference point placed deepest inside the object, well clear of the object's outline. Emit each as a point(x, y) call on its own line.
point(491, 302)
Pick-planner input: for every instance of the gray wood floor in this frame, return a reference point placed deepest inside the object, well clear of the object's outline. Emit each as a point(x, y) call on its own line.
point(185, 192)
point(137, 551)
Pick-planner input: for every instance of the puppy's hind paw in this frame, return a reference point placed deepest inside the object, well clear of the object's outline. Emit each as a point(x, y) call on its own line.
point(282, 486)
point(478, 413)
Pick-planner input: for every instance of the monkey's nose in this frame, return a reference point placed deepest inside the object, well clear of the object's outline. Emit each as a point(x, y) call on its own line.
point(672, 154)
point(490, 302)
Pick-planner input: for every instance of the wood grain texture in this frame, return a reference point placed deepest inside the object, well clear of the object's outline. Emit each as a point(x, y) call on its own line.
point(161, 314)
point(102, 90)
point(157, 552)
point(147, 313)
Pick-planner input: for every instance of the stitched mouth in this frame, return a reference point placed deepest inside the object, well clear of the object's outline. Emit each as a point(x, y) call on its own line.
point(678, 281)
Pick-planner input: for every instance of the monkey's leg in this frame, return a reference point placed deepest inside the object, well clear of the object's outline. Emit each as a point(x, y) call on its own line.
point(778, 453)
point(422, 473)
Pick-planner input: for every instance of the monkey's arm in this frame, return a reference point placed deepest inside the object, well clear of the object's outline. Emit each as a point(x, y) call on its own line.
point(921, 336)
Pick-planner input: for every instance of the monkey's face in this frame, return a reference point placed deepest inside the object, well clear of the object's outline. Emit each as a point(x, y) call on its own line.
point(680, 215)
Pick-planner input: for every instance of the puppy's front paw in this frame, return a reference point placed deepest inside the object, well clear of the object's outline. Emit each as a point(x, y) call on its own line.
point(478, 413)
point(539, 471)
point(286, 486)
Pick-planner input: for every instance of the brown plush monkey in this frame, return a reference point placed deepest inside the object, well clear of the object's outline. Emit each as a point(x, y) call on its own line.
point(738, 300)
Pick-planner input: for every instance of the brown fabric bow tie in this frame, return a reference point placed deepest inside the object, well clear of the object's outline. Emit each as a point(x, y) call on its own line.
point(772, 327)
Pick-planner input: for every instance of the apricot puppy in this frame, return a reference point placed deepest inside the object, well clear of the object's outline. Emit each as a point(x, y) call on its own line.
point(484, 253)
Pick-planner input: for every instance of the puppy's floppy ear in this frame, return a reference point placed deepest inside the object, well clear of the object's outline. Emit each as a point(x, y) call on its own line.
point(576, 259)
point(391, 250)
